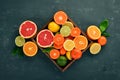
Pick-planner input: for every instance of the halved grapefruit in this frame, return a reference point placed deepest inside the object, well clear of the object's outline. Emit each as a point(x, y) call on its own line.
point(27, 29)
point(45, 38)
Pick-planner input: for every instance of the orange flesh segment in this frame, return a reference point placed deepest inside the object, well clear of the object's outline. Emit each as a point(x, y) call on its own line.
point(54, 54)
point(30, 48)
point(75, 32)
point(81, 42)
point(58, 39)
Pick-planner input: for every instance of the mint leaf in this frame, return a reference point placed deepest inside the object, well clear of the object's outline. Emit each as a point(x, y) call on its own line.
point(47, 50)
point(106, 34)
point(18, 51)
point(104, 25)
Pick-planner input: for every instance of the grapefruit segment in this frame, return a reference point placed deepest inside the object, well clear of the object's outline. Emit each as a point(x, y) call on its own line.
point(81, 42)
point(27, 29)
point(45, 38)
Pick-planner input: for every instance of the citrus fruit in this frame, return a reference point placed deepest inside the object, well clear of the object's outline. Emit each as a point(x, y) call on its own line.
point(19, 41)
point(52, 26)
point(68, 45)
point(62, 51)
point(60, 17)
point(58, 46)
point(81, 42)
point(93, 32)
point(68, 23)
point(45, 38)
point(65, 31)
point(62, 61)
point(68, 55)
point(54, 54)
point(75, 32)
point(95, 48)
point(30, 49)
point(76, 54)
point(102, 40)
point(58, 39)
point(27, 29)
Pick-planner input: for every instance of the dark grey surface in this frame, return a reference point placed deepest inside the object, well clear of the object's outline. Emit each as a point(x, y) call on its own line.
point(105, 66)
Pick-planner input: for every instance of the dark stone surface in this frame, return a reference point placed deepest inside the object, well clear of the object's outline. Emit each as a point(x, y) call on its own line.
point(105, 66)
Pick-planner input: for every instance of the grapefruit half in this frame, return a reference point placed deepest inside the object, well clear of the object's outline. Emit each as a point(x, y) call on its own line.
point(27, 29)
point(45, 38)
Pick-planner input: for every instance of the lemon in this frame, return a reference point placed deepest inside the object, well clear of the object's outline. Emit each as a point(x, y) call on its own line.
point(68, 45)
point(68, 55)
point(68, 23)
point(52, 26)
point(95, 48)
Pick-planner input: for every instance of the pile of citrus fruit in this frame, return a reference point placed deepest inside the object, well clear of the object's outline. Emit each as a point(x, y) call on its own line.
point(61, 39)
point(64, 38)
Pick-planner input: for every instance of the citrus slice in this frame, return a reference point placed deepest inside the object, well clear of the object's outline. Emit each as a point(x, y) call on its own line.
point(52, 26)
point(62, 51)
point(76, 54)
point(45, 38)
point(68, 45)
point(95, 48)
point(75, 32)
point(58, 46)
point(62, 61)
point(19, 41)
point(27, 29)
point(58, 39)
point(54, 54)
point(68, 23)
point(81, 42)
point(60, 17)
point(65, 31)
point(68, 55)
point(102, 40)
point(93, 32)
point(30, 49)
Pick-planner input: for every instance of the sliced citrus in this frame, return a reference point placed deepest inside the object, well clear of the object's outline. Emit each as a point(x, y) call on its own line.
point(28, 29)
point(54, 54)
point(93, 32)
point(30, 49)
point(81, 42)
point(95, 48)
point(52, 26)
point(102, 40)
point(75, 32)
point(58, 39)
point(62, 61)
point(65, 31)
point(68, 55)
point(68, 45)
point(19, 41)
point(76, 54)
point(62, 51)
point(68, 23)
point(60, 17)
point(58, 46)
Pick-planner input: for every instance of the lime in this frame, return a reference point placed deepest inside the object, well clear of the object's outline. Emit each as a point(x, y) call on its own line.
point(65, 31)
point(19, 41)
point(95, 48)
point(68, 55)
point(62, 61)
point(68, 23)
point(52, 26)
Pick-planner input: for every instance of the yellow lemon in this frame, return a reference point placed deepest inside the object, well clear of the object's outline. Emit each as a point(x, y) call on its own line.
point(95, 48)
point(68, 55)
point(52, 26)
point(68, 45)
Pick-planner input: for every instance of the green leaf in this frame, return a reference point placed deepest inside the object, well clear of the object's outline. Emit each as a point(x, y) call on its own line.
point(106, 34)
point(104, 25)
point(47, 50)
point(18, 51)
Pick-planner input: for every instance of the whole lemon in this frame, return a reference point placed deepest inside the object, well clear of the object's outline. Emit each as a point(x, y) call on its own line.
point(52, 26)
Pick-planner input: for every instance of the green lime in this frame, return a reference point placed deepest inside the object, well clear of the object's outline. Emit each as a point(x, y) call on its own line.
point(62, 61)
point(65, 31)
point(19, 41)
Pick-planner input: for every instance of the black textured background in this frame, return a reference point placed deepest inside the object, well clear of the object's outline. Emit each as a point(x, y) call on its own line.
point(105, 66)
